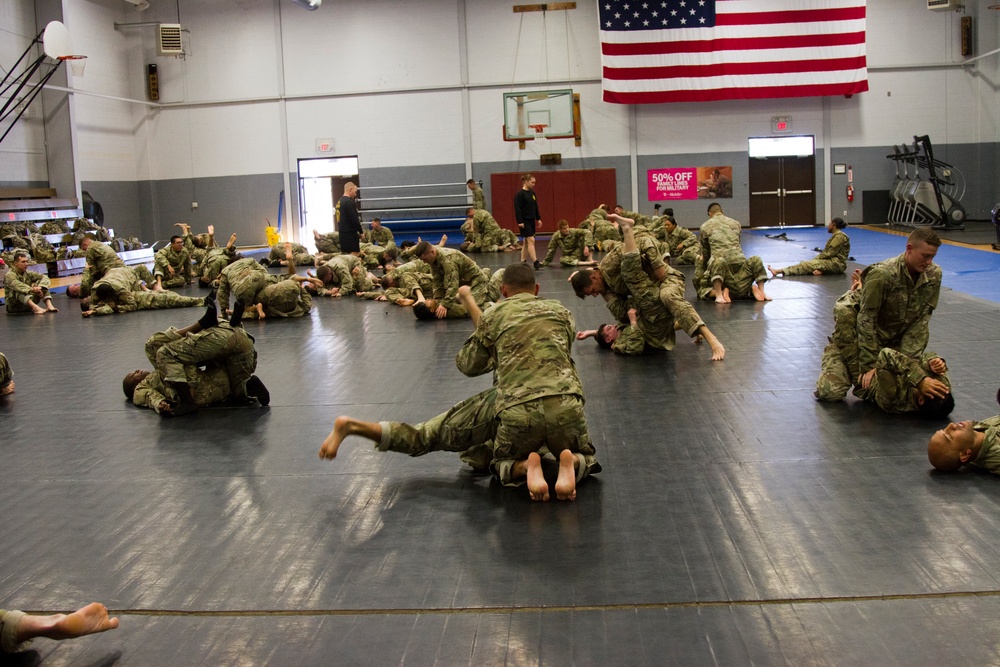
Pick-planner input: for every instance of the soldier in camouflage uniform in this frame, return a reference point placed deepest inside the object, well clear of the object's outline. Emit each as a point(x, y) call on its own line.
point(197, 245)
point(300, 255)
point(6, 377)
point(450, 270)
point(468, 429)
point(327, 243)
point(100, 259)
point(681, 242)
point(146, 389)
point(575, 245)
point(832, 259)
point(214, 261)
point(902, 384)
point(120, 291)
point(343, 275)
point(975, 443)
point(724, 266)
point(526, 341)
point(172, 265)
point(486, 234)
point(645, 296)
point(378, 235)
point(375, 256)
point(25, 290)
point(404, 285)
point(478, 198)
point(897, 299)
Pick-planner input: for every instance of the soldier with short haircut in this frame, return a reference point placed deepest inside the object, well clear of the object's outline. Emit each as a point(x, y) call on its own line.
point(832, 259)
point(575, 245)
point(898, 297)
point(645, 295)
point(379, 234)
point(120, 291)
point(451, 269)
point(486, 233)
point(26, 291)
point(527, 342)
point(725, 273)
point(343, 275)
point(974, 443)
point(172, 265)
point(478, 198)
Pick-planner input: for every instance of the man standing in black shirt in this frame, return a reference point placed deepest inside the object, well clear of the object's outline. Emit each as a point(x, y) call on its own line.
point(528, 218)
point(350, 221)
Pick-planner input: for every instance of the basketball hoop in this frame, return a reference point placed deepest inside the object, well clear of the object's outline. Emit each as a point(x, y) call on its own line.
point(77, 64)
point(539, 129)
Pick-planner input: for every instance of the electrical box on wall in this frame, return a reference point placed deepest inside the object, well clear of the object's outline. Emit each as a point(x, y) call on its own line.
point(152, 83)
point(945, 5)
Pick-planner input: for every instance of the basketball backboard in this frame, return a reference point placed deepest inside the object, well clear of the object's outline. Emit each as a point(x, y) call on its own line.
point(524, 113)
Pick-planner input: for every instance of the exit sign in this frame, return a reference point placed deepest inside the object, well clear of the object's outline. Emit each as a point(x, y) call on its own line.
point(781, 123)
point(324, 145)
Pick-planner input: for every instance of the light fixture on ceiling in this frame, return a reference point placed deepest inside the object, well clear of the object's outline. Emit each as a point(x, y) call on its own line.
point(139, 4)
point(311, 5)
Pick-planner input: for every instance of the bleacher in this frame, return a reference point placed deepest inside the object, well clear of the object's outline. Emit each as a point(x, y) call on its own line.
point(39, 205)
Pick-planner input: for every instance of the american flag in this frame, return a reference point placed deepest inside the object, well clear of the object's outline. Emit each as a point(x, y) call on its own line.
point(655, 51)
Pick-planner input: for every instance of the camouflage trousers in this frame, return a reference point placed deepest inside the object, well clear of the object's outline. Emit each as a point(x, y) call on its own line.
point(655, 321)
point(9, 621)
point(479, 293)
point(231, 347)
point(92, 275)
point(158, 300)
point(6, 374)
point(555, 422)
point(807, 267)
point(687, 256)
point(17, 304)
point(835, 376)
point(737, 277)
point(468, 428)
point(672, 296)
point(176, 280)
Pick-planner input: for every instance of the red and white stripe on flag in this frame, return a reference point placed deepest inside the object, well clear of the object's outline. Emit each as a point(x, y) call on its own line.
point(755, 49)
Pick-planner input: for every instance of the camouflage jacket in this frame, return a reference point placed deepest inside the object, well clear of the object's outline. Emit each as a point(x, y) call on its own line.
point(527, 341)
point(451, 270)
point(837, 248)
point(572, 243)
point(895, 310)
point(896, 379)
point(381, 236)
point(720, 238)
point(989, 453)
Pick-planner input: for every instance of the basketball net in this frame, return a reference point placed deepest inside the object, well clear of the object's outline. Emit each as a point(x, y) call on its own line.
point(541, 142)
point(77, 64)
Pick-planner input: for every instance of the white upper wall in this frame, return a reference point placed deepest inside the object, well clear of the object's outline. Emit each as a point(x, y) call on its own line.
point(384, 79)
point(22, 153)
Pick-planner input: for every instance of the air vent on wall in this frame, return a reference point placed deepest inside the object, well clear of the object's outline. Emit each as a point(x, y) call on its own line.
point(170, 39)
point(945, 5)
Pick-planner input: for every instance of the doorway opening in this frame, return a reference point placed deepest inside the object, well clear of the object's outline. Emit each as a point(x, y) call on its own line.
point(321, 183)
point(782, 181)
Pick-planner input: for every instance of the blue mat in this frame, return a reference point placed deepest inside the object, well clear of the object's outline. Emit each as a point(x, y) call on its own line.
point(974, 272)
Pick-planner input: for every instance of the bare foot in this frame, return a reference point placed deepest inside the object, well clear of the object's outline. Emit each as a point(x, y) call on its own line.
point(719, 298)
point(817, 272)
point(36, 310)
point(341, 429)
point(85, 621)
point(211, 230)
point(856, 279)
point(158, 287)
point(9, 389)
point(758, 293)
point(538, 488)
point(50, 308)
point(726, 296)
point(775, 273)
point(566, 482)
point(444, 239)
